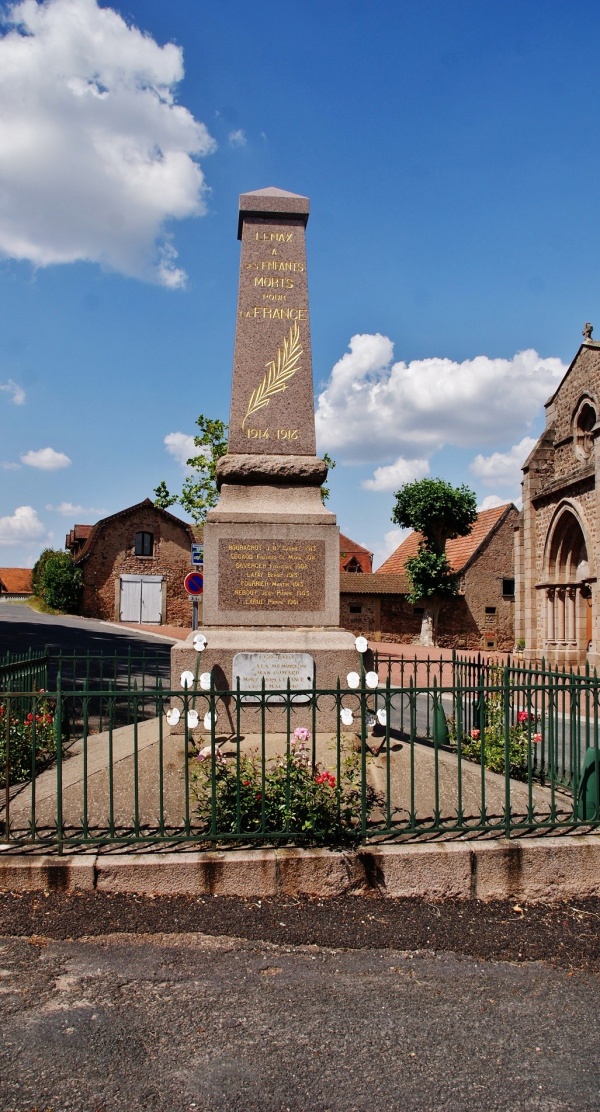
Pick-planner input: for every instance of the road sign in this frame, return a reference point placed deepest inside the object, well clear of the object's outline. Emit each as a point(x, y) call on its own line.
point(197, 555)
point(194, 583)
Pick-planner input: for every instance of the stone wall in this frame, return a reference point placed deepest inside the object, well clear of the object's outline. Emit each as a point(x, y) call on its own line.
point(480, 617)
point(112, 554)
point(559, 473)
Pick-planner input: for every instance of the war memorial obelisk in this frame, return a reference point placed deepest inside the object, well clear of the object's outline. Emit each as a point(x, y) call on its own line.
point(271, 548)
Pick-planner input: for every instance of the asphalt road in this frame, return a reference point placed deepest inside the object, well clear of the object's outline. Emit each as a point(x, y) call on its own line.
point(22, 628)
point(279, 1005)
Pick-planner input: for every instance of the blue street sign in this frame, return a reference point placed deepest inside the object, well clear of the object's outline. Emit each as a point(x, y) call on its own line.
point(197, 555)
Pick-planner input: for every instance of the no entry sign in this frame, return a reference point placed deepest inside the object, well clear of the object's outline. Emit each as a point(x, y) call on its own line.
point(194, 583)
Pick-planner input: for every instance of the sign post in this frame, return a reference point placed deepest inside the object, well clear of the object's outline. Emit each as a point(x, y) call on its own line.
point(194, 585)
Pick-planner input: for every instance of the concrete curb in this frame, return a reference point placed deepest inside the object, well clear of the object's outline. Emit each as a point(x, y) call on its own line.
point(546, 869)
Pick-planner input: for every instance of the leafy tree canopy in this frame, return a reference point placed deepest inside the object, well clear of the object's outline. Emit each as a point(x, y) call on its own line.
point(199, 491)
point(439, 512)
point(57, 581)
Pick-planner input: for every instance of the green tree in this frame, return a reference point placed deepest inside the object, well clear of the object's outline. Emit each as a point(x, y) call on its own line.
point(57, 581)
point(199, 491)
point(325, 492)
point(37, 575)
point(439, 512)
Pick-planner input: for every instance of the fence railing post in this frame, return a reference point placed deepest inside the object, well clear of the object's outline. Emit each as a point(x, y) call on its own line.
point(59, 731)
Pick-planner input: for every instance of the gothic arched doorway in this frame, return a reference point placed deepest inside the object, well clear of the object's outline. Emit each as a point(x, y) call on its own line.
point(568, 631)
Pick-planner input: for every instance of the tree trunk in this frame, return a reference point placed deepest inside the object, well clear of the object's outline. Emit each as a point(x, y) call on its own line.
point(428, 625)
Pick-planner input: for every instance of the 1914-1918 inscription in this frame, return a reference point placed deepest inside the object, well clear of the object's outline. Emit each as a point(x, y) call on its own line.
point(271, 575)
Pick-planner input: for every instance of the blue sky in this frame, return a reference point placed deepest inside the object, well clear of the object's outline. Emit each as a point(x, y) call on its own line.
point(450, 156)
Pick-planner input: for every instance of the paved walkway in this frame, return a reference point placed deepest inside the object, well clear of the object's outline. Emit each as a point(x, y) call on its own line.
point(108, 789)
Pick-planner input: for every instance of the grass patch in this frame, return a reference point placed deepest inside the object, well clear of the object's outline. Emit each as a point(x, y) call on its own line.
point(34, 603)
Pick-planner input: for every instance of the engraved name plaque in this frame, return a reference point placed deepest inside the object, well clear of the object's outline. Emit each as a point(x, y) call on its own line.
point(263, 574)
point(276, 669)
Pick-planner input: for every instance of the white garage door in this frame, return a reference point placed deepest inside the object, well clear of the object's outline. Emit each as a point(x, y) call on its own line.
point(141, 599)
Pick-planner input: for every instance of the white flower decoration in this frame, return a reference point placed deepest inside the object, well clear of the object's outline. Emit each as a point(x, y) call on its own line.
point(187, 679)
point(372, 679)
point(353, 679)
point(192, 719)
point(361, 644)
point(173, 716)
point(208, 720)
point(205, 681)
point(199, 642)
point(382, 716)
point(346, 716)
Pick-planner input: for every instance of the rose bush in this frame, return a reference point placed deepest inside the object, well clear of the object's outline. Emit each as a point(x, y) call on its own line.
point(289, 796)
point(31, 734)
point(492, 751)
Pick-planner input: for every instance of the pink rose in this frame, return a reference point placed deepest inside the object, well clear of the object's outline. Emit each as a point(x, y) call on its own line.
point(475, 734)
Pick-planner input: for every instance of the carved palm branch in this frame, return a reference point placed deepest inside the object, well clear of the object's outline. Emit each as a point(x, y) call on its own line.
point(279, 371)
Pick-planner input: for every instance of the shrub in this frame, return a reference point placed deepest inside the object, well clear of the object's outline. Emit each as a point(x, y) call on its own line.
point(493, 750)
point(292, 797)
point(57, 581)
point(25, 729)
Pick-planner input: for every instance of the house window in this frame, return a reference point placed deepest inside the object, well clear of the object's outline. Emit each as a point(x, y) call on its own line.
point(508, 588)
point(490, 616)
point(355, 609)
point(353, 565)
point(144, 544)
point(418, 611)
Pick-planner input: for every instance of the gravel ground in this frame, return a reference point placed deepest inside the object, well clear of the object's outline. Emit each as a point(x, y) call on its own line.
point(345, 1005)
point(565, 935)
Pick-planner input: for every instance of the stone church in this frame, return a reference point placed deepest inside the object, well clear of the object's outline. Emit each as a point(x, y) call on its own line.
point(557, 551)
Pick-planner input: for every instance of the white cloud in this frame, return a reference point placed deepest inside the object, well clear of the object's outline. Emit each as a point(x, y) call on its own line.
point(67, 509)
point(182, 447)
point(373, 408)
point(46, 459)
point(396, 474)
point(7, 465)
point(17, 392)
point(24, 525)
point(238, 138)
point(391, 541)
point(95, 154)
point(503, 468)
point(492, 500)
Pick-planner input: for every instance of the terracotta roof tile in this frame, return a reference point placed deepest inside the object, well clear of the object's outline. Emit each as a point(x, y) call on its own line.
point(459, 551)
point(347, 545)
point(370, 583)
point(16, 581)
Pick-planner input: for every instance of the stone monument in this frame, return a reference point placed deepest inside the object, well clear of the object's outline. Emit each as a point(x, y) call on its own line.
point(271, 548)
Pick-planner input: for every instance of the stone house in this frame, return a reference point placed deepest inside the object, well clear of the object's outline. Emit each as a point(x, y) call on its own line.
point(16, 583)
point(480, 617)
point(134, 564)
point(353, 557)
point(557, 549)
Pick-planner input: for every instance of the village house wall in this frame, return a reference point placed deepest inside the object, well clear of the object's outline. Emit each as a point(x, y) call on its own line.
point(112, 555)
point(481, 616)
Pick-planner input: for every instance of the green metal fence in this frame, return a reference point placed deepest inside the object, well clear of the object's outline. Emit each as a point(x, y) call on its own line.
point(24, 671)
point(501, 750)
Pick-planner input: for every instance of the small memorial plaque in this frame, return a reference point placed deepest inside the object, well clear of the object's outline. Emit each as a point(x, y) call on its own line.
point(276, 669)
